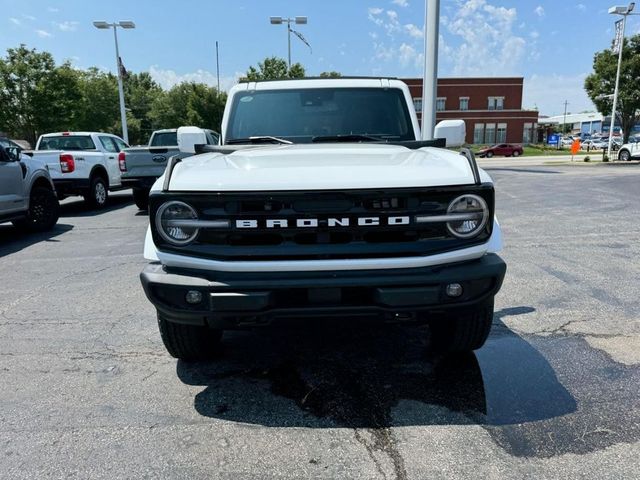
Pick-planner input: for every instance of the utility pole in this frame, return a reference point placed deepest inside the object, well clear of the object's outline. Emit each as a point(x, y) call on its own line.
point(218, 66)
point(430, 75)
point(564, 120)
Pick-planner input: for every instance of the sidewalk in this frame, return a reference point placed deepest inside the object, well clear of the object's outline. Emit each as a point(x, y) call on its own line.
point(546, 161)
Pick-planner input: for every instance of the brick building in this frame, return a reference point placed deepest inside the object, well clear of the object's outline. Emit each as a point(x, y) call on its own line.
point(491, 107)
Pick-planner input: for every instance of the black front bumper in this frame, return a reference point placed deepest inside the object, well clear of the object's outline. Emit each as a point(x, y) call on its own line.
point(237, 300)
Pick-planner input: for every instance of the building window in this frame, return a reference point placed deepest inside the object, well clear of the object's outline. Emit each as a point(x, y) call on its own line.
point(440, 104)
point(501, 135)
point(496, 103)
point(464, 103)
point(527, 133)
point(417, 103)
point(490, 133)
point(478, 133)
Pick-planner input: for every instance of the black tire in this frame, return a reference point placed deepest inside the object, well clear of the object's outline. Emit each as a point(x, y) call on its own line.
point(44, 211)
point(624, 155)
point(98, 193)
point(141, 198)
point(489, 154)
point(190, 343)
point(462, 332)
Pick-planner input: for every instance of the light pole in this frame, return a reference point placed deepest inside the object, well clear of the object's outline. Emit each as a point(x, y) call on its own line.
point(430, 74)
point(624, 12)
point(122, 24)
point(289, 21)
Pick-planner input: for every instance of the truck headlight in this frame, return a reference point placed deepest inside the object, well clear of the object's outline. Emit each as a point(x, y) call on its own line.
point(473, 213)
point(175, 223)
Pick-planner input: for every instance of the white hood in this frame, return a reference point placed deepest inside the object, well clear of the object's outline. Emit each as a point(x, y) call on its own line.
point(321, 167)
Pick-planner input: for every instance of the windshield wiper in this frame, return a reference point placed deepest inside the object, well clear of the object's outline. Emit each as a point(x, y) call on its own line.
point(353, 137)
point(260, 139)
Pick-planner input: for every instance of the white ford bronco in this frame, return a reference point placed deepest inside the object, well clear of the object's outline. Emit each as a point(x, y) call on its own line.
point(321, 201)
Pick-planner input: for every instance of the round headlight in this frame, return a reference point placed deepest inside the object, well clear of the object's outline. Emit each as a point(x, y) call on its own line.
point(473, 213)
point(172, 222)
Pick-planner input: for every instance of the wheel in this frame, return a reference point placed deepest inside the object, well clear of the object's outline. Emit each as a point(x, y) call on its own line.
point(462, 332)
point(141, 198)
point(516, 153)
point(624, 155)
point(44, 211)
point(188, 342)
point(489, 154)
point(98, 193)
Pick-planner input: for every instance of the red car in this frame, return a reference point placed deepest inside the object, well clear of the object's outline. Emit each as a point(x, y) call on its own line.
point(506, 149)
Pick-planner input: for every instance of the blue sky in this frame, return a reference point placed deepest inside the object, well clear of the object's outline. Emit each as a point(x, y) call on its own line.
point(549, 42)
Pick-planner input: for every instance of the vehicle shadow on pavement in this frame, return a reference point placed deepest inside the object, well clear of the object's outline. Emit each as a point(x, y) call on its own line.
point(374, 376)
point(13, 239)
point(76, 206)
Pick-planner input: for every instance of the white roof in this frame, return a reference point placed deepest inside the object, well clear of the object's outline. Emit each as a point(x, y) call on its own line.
point(573, 118)
point(320, 83)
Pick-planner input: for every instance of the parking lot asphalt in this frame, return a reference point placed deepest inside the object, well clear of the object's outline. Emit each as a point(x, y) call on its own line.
point(89, 392)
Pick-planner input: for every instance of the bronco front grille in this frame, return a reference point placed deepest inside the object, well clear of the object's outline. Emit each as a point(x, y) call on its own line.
point(322, 225)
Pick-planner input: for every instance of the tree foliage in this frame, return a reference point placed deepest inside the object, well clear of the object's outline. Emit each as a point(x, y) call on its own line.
point(274, 68)
point(37, 96)
point(331, 74)
point(602, 82)
point(189, 104)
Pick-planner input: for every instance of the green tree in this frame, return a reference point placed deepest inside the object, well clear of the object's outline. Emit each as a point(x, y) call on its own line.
point(140, 92)
point(274, 68)
point(331, 74)
point(98, 109)
point(36, 95)
point(602, 82)
point(189, 103)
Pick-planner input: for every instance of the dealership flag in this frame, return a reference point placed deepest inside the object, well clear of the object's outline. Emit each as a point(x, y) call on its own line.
point(617, 40)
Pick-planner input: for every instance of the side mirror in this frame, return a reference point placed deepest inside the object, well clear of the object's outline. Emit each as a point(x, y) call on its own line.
point(189, 137)
point(453, 131)
point(15, 153)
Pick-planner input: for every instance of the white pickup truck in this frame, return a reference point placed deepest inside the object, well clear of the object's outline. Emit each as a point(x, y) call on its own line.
point(82, 163)
point(321, 201)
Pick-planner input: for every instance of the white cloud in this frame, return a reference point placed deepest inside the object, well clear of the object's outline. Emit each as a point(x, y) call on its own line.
point(534, 34)
point(539, 10)
point(29, 17)
point(43, 34)
point(66, 26)
point(409, 56)
point(401, 3)
point(413, 30)
point(548, 93)
point(53, 9)
point(168, 78)
point(15, 21)
point(488, 44)
point(582, 7)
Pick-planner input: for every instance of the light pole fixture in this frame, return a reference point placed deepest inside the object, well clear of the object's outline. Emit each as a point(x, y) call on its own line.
point(128, 25)
point(430, 72)
point(624, 12)
point(289, 21)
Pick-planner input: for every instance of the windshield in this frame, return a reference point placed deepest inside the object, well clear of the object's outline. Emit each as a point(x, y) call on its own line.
point(164, 139)
point(67, 142)
point(299, 115)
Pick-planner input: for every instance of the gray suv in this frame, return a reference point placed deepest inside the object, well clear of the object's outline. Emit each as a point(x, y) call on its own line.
point(27, 195)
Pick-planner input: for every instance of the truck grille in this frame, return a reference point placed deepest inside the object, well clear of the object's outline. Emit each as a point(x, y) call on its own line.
point(322, 225)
